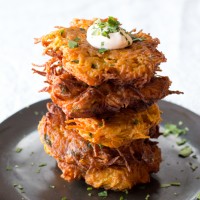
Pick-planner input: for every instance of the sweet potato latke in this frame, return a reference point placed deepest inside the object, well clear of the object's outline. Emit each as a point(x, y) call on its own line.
point(119, 129)
point(116, 169)
point(134, 65)
point(77, 99)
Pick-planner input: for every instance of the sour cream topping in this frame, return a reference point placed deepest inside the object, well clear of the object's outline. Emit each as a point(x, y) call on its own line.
point(108, 35)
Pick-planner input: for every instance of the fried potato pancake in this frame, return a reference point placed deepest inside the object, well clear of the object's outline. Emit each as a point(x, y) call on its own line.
point(77, 99)
point(118, 129)
point(135, 64)
point(116, 169)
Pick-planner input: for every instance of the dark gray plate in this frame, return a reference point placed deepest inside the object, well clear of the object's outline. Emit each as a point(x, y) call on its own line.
point(20, 130)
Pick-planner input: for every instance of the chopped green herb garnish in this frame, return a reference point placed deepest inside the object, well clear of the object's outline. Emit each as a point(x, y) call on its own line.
point(126, 191)
point(121, 198)
point(166, 185)
point(185, 152)
point(62, 31)
point(173, 129)
point(198, 196)
point(52, 186)
point(18, 150)
point(135, 39)
point(8, 168)
point(32, 164)
point(82, 29)
point(102, 50)
point(63, 198)
point(75, 61)
point(72, 44)
point(20, 187)
point(36, 113)
point(175, 183)
point(193, 166)
point(47, 140)
point(38, 171)
point(90, 194)
point(42, 165)
point(103, 194)
point(105, 28)
point(89, 188)
point(76, 39)
point(181, 142)
point(147, 197)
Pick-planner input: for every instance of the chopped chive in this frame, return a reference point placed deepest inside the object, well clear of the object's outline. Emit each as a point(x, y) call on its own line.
point(18, 150)
point(8, 168)
point(173, 129)
point(198, 196)
point(42, 165)
point(89, 188)
point(47, 139)
point(126, 191)
point(193, 166)
point(181, 142)
point(75, 61)
point(121, 198)
point(175, 183)
point(102, 50)
point(63, 198)
point(76, 39)
point(103, 194)
point(36, 113)
point(72, 44)
point(165, 185)
point(37, 171)
point(62, 31)
point(185, 152)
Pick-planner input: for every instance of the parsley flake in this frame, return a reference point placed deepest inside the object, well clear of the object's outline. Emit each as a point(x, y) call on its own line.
point(198, 196)
point(72, 44)
point(185, 152)
point(173, 129)
point(18, 150)
point(103, 194)
point(102, 50)
point(89, 188)
point(42, 165)
point(8, 168)
point(181, 142)
point(63, 198)
point(166, 185)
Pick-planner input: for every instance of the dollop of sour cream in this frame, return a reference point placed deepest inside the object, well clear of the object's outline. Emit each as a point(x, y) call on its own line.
point(117, 39)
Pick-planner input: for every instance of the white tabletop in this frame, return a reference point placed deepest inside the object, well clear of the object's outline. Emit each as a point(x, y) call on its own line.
point(175, 22)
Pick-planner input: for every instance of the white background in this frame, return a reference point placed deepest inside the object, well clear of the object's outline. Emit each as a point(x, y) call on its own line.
point(175, 22)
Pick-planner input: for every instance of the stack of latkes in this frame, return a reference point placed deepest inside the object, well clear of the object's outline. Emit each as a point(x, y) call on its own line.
point(103, 111)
